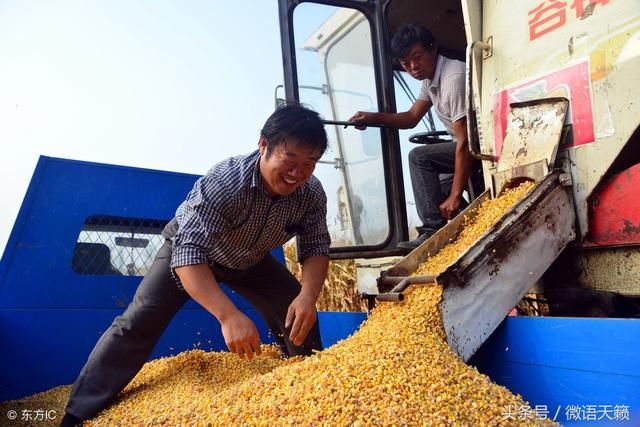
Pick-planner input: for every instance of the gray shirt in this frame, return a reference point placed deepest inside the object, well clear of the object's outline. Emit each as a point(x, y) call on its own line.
point(446, 91)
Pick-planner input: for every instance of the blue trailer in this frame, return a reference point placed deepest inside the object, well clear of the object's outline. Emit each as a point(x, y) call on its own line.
point(75, 257)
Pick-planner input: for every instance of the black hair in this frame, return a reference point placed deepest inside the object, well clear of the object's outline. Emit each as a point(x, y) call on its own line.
point(295, 121)
point(408, 35)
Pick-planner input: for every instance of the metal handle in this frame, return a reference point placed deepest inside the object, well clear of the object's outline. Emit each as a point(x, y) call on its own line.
point(346, 123)
point(390, 296)
point(469, 93)
point(402, 283)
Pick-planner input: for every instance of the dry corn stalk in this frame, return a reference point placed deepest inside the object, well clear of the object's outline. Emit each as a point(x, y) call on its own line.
point(339, 292)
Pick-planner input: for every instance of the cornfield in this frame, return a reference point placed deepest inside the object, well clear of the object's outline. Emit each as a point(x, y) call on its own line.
point(340, 289)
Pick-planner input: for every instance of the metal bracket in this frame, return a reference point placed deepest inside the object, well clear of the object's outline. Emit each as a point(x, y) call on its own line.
point(401, 283)
point(486, 46)
point(565, 179)
point(488, 53)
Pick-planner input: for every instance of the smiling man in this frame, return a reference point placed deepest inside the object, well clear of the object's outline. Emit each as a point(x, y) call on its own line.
point(233, 217)
point(443, 88)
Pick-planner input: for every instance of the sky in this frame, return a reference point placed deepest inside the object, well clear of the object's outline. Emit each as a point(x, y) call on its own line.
point(166, 85)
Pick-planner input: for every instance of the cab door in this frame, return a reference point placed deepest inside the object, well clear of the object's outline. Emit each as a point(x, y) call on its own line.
point(335, 60)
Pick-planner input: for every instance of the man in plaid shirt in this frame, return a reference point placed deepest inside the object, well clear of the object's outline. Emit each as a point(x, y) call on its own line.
point(233, 217)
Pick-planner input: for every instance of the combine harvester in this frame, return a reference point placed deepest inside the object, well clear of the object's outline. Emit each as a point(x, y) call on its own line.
point(551, 85)
point(552, 90)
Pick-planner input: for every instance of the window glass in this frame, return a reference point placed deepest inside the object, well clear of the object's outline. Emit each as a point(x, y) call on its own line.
point(407, 90)
point(118, 246)
point(336, 77)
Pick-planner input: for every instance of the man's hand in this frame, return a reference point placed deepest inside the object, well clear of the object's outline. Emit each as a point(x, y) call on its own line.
point(449, 208)
point(361, 119)
point(239, 332)
point(301, 317)
point(241, 335)
point(462, 170)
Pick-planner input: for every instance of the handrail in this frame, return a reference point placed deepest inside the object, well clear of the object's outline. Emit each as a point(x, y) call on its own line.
point(469, 92)
point(401, 283)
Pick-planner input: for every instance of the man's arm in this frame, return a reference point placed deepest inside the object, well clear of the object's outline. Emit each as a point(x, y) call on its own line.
point(301, 315)
point(463, 164)
point(200, 220)
point(405, 120)
point(239, 332)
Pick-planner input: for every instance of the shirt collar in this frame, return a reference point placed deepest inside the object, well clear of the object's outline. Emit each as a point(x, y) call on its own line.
point(256, 177)
point(435, 82)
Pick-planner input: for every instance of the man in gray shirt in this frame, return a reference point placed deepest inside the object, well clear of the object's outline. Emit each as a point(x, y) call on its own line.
point(233, 217)
point(443, 88)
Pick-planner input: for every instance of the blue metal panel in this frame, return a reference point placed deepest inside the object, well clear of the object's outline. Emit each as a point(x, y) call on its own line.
point(565, 362)
point(47, 348)
point(50, 316)
point(338, 326)
point(35, 271)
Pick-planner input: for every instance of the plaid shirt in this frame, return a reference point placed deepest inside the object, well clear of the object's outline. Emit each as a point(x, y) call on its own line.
point(229, 219)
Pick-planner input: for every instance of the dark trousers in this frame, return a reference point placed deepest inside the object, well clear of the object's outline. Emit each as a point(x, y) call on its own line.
point(426, 163)
point(125, 346)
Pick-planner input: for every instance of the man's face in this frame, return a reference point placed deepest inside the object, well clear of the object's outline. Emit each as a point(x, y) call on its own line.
point(286, 167)
point(420, 62)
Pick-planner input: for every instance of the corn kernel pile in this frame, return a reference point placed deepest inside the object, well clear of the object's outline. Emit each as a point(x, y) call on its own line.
point(54, 400)
point(397, 369)
point(188, 374)
point(176, 389)
point(487, 215)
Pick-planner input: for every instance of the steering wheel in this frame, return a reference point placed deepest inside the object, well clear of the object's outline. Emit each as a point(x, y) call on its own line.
point(429, 137)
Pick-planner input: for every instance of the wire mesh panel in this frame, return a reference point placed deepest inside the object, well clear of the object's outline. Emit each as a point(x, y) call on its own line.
point(109, 245)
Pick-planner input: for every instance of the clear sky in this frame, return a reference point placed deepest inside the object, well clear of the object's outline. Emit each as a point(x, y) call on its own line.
point(159, 84)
